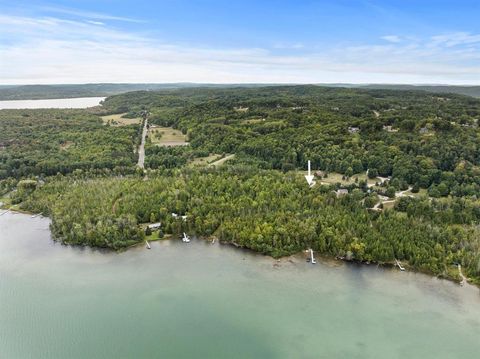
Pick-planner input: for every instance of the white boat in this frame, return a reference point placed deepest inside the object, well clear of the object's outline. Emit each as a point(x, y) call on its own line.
point(185, 238)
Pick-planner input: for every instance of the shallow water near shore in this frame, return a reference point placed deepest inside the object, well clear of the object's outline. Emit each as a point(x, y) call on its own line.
point(199, 300)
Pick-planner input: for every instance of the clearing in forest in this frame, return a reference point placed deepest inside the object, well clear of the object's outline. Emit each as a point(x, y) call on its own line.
point(253, 120)
point(221, 161)
point(166, 136)
point(334, 178)
point(204, 161)
point(119, 120)
point(65, 145)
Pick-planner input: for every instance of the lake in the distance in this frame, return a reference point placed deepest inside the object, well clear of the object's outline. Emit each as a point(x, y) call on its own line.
point(79, 102)
point(199, 300)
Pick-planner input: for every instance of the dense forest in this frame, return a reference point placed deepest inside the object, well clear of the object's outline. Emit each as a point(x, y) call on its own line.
point(473, 91)
point(424, 140)
point(47, 142)
point(404, 165)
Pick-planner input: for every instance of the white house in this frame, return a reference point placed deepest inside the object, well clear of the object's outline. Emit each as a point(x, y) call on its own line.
point(154, 226)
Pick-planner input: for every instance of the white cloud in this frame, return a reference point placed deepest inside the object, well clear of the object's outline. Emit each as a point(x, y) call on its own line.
point(293, 46)
point(392, 38)
point(95, 22)
point(455, 39)
point(55, 50)
point(87, 14)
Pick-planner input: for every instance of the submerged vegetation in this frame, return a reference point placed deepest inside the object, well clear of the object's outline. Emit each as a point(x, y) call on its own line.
point(417, 203)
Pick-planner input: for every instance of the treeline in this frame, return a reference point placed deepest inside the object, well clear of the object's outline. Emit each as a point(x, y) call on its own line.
point(266, 211)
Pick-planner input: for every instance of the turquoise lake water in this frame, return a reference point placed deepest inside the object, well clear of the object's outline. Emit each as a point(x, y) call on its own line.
point(199, 300)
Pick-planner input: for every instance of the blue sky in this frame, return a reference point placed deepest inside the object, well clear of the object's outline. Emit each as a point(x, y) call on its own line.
point(301, 41)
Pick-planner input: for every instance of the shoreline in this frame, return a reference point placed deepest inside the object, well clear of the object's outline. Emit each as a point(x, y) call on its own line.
point(325, 259)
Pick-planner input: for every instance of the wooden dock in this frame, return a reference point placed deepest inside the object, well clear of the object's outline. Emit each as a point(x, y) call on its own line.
point(460, 273)
point(399, 265)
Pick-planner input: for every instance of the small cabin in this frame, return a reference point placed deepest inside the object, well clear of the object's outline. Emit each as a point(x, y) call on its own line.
point(341, 192)
point(352, 129)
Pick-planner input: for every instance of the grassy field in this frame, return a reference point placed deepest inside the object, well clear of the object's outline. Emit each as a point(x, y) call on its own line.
point(204, 161)
point(422, 193)
point(119, 120)
point(334, 178)
point(388, 205)
point(253, 120)
point(155, 236)
point(221, 161)
point(5, 201)
point(166, 136)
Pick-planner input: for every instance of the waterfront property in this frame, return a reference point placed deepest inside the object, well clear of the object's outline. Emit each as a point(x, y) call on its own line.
point(157, 300)
point(154, 226)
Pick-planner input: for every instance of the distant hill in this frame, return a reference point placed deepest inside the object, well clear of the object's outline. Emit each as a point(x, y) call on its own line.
point(473, 91)
point(37, 92)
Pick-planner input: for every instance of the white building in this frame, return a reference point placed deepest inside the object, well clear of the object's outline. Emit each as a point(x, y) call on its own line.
point(154, 226)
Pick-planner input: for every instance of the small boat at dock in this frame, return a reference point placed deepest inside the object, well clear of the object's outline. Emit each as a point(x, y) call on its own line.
point(148, 245)
point(185, 238)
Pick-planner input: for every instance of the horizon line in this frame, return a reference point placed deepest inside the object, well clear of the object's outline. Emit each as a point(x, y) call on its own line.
point(242, 83)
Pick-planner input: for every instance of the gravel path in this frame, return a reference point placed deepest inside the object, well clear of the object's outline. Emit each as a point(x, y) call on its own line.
point(141, 148)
